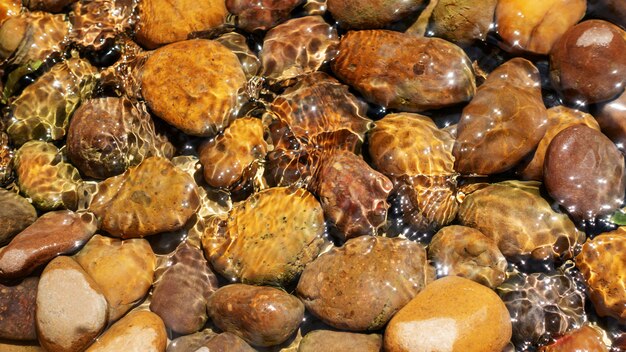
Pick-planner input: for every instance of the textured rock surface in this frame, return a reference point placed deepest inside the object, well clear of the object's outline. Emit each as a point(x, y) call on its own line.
point(361, 285)
point(16, 213)
point(371, 14)
point(17, 309)
point(451, 314)
point(328, 340)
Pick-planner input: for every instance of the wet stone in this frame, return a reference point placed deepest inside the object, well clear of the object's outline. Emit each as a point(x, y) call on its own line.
point(466, 252)
point(43, 110)
point(16, 213)
point(191, 94)
point(542, 305)
point(234, 156)
point(520, 221)
point(9, 9)
point(17, 309)
point(108, 135)
point(226, 342)
point(137, 331)
point(359, 287)
point(587, 338)
point(52, 234)
point(371, 14)
point(327, 340)
point(451, 314)
point(71, 310)
point(191, 342)
point(504, 122)
point(188, 279)
point(238, 44)
point(255, 15)
point(297, 47)
point(593, 181)
point(463, 21)
point(44, 176)
point(97, 23)
point(604, 269)
point(262, 316)
point(162, 21)
point(587, 64)
point(47, 5)
point(147, 199)
point(124, 270)
point(268, 238)
point(404, 72)
point(535, 26)
point(611, 117)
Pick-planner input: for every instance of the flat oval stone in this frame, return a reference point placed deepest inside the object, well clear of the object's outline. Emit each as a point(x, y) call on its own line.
point(593, 180)
point(52, 234)
point(235, 154)
point(297, 47)
point(16, 214)
point(187, 279)
point(451, 314)
point(124, 270)
point(604, 270)
point(107, 135)
point(520, 221)
point(268, 238)
point(262, 316)
point(371, 14)
point(352, 194)
point(467, 252)
point(17, 309)
point(137, 331)
point(463, 21)
point(44, 176)
point(535, 27)
point(559, 118)
point(152, 197)
point(404, 72)
point(162, 22)
point(193, 85)
point(328, 340)
point(587, 64)
point(361, 285)
point(71, 310)
point(504, 122)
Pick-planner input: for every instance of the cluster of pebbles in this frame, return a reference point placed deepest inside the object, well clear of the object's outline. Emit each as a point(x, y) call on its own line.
point(321, 175)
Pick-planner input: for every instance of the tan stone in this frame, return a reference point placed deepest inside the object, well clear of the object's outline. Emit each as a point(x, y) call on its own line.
point(328, 340)
point(451, 314)
point(139, 331)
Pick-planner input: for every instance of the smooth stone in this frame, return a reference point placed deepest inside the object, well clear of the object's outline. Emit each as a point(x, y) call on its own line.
point(593, 180)
point(124, 270)
point(133, 203)
point(163, 21)
point(16, 214)
point(71, 310)
point(180, 294)
point(17, 310)
point(261, 14)
point(226, 342)
point(140, 331)
point(184, 84)
point(585, 339)
point(360, 14)
point(611, 117)
point(328, 340)
point(267, 239)
point(191, 342)
point(467, 252)
point(603, 266)
point(463, 21)
point(451, 314)
point(262, 316)
point(361, 285)
point(52, 234)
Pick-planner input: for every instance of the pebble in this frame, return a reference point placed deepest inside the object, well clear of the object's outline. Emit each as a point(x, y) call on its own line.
point(358, 14)
point(71, 310)
point(328, 340)
point(361, 285)
point(124, 270)
point(16, 213)
point(52, 234)
point(450, 314)
point(226, 342)
point(140, 331)
point(17, 310)
point(262, 316)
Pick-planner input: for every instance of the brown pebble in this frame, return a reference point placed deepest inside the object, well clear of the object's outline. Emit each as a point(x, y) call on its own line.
point(17, 309)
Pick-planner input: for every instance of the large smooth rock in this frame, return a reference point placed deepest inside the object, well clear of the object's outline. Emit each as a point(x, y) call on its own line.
point(180, 294)
point(124, 270)
point(71, 310)
point(361, 285)
point(263, 316)
point(328, 340)
point(16, 214)
point(138, 331)
point(371, 14)
point(17, 309)
point(133, 203)
point(54, 233)
point(451, 314)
